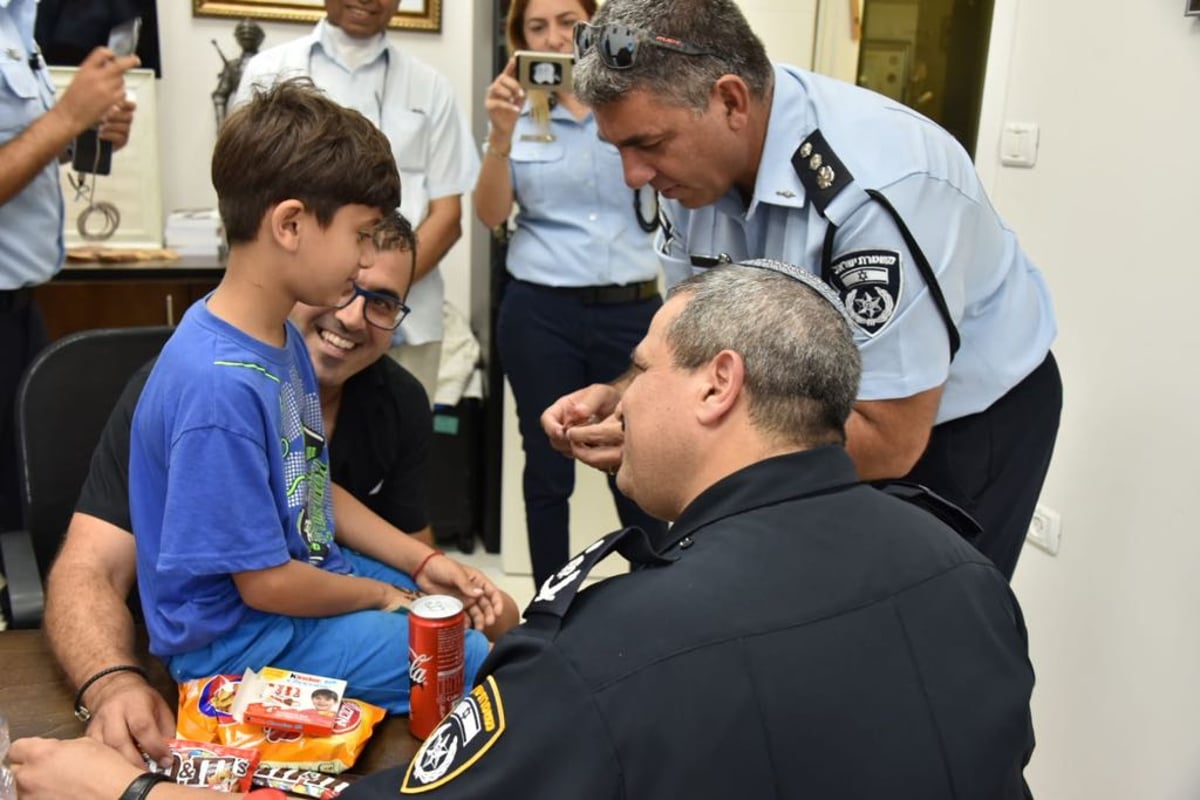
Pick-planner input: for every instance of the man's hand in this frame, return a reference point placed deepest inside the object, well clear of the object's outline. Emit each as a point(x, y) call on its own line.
point(482, 601)
point(78, 769)
point(578, 411)
point(117, 122)
point(98, 88)
point(130, 716)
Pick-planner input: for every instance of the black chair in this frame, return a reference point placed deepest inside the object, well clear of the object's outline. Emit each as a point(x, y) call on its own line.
point(63, 403)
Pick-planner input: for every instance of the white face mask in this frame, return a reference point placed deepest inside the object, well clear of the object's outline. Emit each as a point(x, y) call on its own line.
point(353, 51)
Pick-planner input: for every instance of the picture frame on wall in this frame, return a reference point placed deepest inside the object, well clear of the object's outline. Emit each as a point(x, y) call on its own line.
point(416, 15)
point(1191, 8)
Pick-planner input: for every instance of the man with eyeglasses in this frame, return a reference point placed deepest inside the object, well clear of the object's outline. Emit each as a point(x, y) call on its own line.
point(377, 419)
point(960, 391)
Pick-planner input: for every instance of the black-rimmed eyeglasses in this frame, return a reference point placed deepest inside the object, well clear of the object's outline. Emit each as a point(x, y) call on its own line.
point(618, 44)
point(379, 310)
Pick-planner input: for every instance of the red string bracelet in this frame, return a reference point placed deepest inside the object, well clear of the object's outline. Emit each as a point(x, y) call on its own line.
point(421, 567)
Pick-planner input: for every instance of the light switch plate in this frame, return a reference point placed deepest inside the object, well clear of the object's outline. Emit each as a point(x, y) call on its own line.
point(1019, 144)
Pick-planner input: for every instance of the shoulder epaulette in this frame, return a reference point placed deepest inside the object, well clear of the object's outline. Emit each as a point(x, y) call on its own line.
point(554, 596)
point(820, 171)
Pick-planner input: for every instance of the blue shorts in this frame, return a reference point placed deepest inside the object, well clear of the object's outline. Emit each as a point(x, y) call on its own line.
point(367, 649)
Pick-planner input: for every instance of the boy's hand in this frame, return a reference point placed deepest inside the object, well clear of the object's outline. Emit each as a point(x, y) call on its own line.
point(396, 598)
point(481, 599)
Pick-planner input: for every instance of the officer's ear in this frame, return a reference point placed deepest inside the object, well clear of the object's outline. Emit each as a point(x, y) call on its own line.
point(721, 384)
point(733, 96)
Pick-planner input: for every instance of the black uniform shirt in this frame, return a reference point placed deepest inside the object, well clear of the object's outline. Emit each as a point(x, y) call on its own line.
point(811, 638)
point(378, 451)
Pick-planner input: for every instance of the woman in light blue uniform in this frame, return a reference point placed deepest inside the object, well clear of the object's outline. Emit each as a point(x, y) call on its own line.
point(584, 274)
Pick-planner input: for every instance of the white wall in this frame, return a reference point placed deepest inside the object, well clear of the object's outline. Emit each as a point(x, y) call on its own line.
point(1109, 213)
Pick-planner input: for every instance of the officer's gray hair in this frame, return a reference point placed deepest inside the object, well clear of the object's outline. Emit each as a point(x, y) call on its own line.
point(801, 364)
point(675, 78)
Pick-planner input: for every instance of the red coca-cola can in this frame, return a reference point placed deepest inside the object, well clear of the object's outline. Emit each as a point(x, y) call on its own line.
point(436, 660)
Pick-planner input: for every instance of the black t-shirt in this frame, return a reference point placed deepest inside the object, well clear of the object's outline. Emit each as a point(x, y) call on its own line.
point(378, 453)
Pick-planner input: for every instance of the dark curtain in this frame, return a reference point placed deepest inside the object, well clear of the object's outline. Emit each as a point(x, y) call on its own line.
point(67, 30)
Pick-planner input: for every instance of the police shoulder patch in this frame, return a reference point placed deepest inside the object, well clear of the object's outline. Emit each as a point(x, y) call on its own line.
point(467, 732)
point(869, 283)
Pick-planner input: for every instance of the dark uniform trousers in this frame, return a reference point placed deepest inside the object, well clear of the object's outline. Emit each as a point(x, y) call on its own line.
point(23, 335)
point(993, 463)
point(793, 636)
point(552, 341)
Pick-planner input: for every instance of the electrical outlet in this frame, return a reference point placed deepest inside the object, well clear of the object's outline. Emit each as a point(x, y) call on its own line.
point(1045, 529)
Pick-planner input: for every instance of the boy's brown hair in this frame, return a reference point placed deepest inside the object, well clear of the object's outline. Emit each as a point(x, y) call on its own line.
point(290, 141)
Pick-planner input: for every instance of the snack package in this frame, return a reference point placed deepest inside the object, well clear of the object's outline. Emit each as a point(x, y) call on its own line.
point(212, 766)
point(304, 783)
point(204, 715)
point(286, 700)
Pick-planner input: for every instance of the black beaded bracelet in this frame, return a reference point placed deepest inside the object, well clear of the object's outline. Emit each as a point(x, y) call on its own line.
point(140, 786)
point(81, 712)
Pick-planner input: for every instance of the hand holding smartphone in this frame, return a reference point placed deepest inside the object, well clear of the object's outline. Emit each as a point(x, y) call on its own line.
point(92, 154)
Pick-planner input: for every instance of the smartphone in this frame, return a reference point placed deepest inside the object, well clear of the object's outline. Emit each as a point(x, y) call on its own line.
point(549, 72)
point(91, 154)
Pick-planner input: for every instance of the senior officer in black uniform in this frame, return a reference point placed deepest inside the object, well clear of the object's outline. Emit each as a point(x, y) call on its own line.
point(795, 634)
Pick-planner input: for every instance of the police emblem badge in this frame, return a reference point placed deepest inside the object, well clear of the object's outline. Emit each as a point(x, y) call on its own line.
point(869, 283)
point(467, 732)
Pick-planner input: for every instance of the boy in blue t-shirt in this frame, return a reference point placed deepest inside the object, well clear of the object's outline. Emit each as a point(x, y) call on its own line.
point(232, 506)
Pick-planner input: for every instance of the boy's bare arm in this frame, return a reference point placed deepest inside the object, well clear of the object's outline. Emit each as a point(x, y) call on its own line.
point(298, 589)
point(361, 529)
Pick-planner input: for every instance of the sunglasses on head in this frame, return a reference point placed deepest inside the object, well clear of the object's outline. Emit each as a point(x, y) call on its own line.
point(618, 44)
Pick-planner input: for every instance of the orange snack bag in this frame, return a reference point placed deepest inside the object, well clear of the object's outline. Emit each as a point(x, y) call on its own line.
point(204, 706)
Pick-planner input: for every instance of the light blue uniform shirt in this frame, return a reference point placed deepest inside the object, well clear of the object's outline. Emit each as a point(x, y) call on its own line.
point(996, 296)
point(575, 225)
point(414, 105)
point(31, 245)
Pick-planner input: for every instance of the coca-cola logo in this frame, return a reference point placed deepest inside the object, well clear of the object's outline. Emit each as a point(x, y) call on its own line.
point(418, 672)
point(349, 717)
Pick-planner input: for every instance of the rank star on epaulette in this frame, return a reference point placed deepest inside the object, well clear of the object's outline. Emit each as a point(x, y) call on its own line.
point(467, 732)
point(869, 283)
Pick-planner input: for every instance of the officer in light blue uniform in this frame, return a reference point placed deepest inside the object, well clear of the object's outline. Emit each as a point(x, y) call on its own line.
point(880, 202)
point(583, 272)
point(32, 138)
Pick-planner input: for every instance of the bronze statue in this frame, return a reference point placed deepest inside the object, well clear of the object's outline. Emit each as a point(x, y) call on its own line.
point(249, 36)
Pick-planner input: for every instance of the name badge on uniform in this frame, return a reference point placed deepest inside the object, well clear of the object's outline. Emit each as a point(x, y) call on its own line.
point(537, 137)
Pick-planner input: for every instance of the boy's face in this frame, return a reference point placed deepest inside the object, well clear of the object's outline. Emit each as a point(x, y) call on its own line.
point(322, 702)
point(334, 256)
point(340, 342)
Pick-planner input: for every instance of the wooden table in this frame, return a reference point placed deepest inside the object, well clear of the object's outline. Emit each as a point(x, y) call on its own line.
point(38, 702)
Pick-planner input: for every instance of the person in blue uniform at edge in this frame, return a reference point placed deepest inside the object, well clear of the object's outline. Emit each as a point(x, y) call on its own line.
point(960, 392)
point(796, 634)
point(35, 133)
point(234, 514)
point(349, 56)
point(584, 275)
